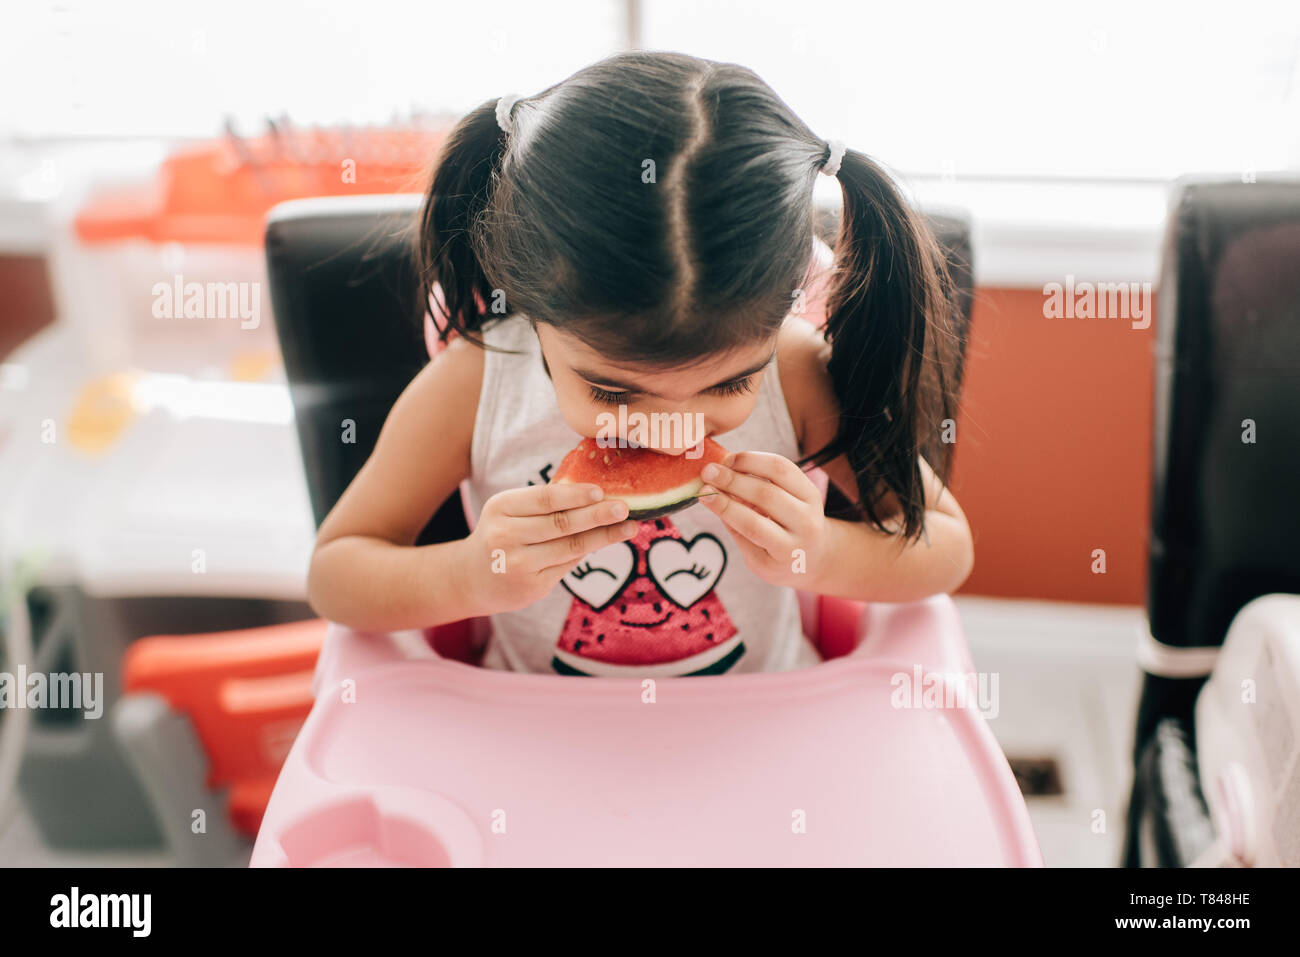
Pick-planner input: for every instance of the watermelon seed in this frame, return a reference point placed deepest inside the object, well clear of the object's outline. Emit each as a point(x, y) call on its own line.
point(591, 454)
point(600, 637)
point(577, 645)
point(709, 636)
point(685, 625)
point(658, 607)
point(606, 459)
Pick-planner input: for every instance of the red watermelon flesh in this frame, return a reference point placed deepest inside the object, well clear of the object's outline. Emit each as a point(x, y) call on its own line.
point(643, 625)
point(651, 483)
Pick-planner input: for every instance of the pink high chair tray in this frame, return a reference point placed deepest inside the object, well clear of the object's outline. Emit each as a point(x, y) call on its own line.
point(435, 762)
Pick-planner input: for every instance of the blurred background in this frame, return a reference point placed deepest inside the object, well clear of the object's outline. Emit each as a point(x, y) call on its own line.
point(151, 482)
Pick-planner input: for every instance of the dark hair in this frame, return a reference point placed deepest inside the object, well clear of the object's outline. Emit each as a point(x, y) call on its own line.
point(659, 208)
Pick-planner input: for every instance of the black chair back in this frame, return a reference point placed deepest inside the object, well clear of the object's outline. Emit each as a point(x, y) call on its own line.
point(344, 291)
point(1226, 454)
point(1225, 520)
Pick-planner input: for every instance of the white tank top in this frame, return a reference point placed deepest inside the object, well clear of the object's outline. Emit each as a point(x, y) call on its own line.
point(675, 600)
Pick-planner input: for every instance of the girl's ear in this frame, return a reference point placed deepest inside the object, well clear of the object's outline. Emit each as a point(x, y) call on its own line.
point(816, 285)
point(890, 326)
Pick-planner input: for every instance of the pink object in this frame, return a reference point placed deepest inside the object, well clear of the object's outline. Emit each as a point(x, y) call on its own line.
point(409, 758)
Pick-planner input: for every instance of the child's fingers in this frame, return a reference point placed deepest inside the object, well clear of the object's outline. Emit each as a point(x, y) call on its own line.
point(545, 499)
point(749, 551)
point(743, 520)
point(561, 551)
point(779, 470)
point(533, 529)
point(764, 496)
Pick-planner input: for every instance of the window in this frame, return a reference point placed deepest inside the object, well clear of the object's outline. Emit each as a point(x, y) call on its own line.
point(162, 68)
point(936, 88)
point(951, 89)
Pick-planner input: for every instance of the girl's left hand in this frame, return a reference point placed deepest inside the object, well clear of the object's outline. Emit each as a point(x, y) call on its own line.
point(775, 513)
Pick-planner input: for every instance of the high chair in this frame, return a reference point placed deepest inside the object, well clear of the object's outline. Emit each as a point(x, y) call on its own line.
point(1216, 754)
point(412, 755)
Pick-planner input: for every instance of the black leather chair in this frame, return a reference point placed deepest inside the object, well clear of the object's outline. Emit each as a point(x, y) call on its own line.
point(350, 325)
point(1225, 519)
point(348, 315)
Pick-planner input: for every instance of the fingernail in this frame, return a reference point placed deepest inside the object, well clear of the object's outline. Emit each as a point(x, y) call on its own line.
point(711, 472)
point(620, 510)
point(596, 493)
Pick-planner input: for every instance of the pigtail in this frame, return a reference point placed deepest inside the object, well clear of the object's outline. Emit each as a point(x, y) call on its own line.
point(890, 328)
point(461, 185)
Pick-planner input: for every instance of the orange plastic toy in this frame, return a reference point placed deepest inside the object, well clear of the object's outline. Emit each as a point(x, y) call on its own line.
point(246, 693)
point(220, 192)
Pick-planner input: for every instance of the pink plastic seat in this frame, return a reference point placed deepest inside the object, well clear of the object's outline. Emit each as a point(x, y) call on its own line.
point(413, 756)
point(409, 758)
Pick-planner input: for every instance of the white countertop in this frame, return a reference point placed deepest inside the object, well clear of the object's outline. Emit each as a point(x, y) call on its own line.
point(206, 474)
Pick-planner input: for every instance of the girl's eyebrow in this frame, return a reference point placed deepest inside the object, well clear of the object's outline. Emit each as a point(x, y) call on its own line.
point(600, 380)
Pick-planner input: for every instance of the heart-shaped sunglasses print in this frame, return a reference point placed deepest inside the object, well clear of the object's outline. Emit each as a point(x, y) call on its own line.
point(683, 572)
point(686, 573)
point(600, 577)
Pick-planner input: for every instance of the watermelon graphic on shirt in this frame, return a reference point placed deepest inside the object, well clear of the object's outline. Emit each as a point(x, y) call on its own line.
point(647, 607)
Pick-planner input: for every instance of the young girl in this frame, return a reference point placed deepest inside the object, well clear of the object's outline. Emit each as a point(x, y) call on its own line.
point(642, 234)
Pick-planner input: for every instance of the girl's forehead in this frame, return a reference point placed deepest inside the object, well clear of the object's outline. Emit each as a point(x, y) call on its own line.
point(710, 370)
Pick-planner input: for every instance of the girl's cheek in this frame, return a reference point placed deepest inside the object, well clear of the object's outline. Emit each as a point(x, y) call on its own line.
point(731, 413)
point(581, 412)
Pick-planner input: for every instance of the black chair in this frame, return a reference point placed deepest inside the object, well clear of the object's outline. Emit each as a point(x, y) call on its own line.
point(1225, 521)
point(344, 292)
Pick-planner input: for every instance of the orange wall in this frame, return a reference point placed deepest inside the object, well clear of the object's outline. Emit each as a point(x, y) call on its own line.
point(1053, 454)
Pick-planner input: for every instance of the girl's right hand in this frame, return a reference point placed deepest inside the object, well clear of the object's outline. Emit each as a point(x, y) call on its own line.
point(527, 539)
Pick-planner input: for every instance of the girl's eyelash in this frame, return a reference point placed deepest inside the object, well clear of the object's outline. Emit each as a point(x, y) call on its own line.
point(736, 387)
point(733, 388)
point(602, 395)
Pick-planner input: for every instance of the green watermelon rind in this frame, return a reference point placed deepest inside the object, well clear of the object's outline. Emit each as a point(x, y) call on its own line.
point(644, 507)
point(645, 514)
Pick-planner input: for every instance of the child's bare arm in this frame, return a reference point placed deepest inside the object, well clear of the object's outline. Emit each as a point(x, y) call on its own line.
point(365, 572)
point(871, 566)
point(868, 564)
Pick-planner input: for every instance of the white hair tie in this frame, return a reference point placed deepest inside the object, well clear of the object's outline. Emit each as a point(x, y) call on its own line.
point(504, 106)
point(832, 165)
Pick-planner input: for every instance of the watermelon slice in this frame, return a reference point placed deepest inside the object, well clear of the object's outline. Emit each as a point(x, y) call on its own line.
point(651, 483)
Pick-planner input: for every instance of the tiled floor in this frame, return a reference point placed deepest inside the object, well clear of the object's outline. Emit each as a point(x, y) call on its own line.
point(1067, 690)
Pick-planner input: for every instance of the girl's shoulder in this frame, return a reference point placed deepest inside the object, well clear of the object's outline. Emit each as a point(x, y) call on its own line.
point(802, 354)
point(450, 382)
point(802, 357)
